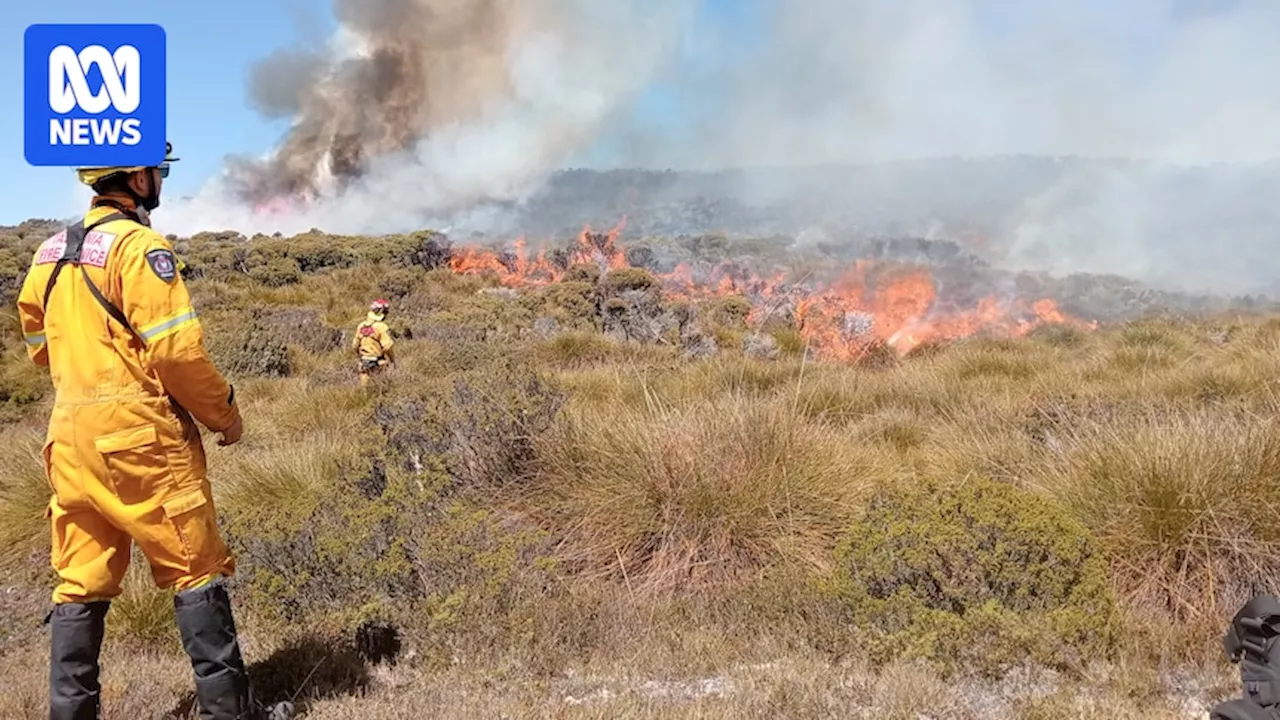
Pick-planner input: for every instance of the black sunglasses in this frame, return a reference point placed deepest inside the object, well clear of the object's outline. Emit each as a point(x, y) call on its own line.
point(164, 171)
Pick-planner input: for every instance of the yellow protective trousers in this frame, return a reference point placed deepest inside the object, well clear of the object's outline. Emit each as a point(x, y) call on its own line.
point(123, 453)
point(145, 483)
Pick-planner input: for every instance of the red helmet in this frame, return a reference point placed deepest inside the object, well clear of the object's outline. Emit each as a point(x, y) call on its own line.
point(380, 306)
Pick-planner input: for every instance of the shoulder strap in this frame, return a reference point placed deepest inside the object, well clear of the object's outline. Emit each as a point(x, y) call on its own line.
point(71, 254)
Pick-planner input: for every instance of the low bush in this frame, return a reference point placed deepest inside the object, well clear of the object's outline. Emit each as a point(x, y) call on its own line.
point(258, 342)
point(277, 272)
point(572, 304)
point(482, 423)
point(337, 533)
point(249, 348)
point(978, 575)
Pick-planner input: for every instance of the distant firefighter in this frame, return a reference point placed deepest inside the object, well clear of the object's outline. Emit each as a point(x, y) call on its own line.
point(372, 341)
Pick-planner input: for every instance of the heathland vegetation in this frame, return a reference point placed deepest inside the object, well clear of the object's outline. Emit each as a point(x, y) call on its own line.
point(596, 486)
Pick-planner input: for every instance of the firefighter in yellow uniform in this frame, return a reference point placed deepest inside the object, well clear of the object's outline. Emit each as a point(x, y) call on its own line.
point(372, 341)
point(104, 308)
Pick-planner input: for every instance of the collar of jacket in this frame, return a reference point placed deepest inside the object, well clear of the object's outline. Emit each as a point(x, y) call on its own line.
point(124, 204)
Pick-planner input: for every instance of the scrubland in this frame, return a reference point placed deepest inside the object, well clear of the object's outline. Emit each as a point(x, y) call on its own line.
point(560, 521)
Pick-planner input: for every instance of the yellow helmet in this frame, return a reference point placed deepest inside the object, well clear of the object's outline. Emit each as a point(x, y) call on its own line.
point(91, 175)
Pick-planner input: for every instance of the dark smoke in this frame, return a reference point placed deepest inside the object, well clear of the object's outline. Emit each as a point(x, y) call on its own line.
point(277, 85)
point(404, 67)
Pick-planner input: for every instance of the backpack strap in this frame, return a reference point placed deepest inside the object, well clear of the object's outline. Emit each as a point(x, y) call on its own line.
point(71, 254)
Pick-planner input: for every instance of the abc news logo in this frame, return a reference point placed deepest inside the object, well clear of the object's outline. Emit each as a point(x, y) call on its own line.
point(94, 95)
point(69, 88)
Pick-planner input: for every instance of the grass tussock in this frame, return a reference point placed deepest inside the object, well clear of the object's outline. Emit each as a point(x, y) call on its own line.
point(24, 497)
point(143, 614)
point(1187, 505)
point(668, 495)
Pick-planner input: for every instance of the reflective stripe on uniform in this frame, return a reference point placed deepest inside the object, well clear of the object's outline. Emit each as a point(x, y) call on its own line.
point(169, 325)
point(35, 339)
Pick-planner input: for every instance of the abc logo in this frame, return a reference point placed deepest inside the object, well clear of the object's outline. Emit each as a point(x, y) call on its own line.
point(69, 88)
point(94, 95)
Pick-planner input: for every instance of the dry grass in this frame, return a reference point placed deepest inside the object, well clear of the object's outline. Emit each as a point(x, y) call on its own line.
point(140, 684)
point(666, 495)
point(143, 615)
point(24, 496)
point(682, 510)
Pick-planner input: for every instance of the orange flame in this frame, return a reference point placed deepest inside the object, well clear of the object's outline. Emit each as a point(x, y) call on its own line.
point(838, 321)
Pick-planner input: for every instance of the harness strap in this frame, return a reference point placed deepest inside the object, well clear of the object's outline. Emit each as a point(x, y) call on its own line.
point(71, 254)
point(1252, 628)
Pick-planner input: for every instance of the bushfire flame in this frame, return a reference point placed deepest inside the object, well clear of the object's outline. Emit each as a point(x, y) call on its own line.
point(838, 320)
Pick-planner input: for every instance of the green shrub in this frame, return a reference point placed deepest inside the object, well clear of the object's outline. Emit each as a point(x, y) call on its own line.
point(315, 255)
point(328, 557)
point(483, 426)
point(581, 273)
point(214, 261)
point(400, 282)
point(249, 347)
point(13, 269)
point(981, 575)
point(277, 272)
point(22, 382)
point(426, 249)
point(571, 303)
point(475, 317)
point(730, 311)
point(337, 536)
point(624, 279)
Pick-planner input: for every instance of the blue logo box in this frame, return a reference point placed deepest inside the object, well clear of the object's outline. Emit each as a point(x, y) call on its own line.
point(94, 95)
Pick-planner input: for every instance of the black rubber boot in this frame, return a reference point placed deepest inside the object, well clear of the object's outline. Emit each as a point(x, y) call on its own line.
point(75, 639)
point(209, 637)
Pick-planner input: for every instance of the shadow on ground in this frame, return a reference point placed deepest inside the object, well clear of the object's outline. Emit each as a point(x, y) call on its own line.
point(306, 669)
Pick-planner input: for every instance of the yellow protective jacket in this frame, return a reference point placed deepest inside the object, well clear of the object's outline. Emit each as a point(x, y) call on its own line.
point(373, 338)
point(122, 453)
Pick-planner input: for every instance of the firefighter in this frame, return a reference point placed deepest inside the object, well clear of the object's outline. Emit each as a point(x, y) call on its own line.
point(372, 342)
point(104, 308)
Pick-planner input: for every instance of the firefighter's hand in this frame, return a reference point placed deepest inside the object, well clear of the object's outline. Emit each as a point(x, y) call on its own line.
point(231, 435)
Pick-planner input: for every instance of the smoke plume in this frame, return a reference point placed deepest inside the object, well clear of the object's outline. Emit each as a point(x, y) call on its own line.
point(432, 106)
point(425, 109)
